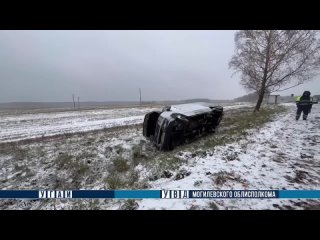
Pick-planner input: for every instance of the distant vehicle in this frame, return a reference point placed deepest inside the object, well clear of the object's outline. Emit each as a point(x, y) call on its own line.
point(177, 124)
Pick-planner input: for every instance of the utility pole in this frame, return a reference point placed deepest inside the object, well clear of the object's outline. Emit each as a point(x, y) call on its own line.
point(78, 102)
point(74, 104)
point(140, 95)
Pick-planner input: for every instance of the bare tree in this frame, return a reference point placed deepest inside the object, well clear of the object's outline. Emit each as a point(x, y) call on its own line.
point(271, 59)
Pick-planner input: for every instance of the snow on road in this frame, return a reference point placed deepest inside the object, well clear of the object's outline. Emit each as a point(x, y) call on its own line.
point(284, 154)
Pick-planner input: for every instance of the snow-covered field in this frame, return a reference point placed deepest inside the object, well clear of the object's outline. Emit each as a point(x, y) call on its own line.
point(283, 155)
point(16, 126)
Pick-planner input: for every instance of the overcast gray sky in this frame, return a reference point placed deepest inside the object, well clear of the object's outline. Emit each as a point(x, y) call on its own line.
point(112, 65)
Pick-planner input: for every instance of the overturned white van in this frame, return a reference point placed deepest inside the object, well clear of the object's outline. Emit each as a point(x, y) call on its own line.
point(177, 124)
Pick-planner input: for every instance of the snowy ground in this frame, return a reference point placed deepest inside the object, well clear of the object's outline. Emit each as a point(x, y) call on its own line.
point(15, 126)
point(284, 154)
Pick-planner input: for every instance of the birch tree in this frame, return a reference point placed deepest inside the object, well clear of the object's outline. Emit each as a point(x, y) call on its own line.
point(269, 60)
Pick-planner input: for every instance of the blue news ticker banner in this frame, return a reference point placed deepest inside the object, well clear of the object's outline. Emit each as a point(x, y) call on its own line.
point(157, 194)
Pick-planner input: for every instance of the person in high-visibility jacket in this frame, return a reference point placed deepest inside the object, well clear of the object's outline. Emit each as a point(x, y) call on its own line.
point(304, 104)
